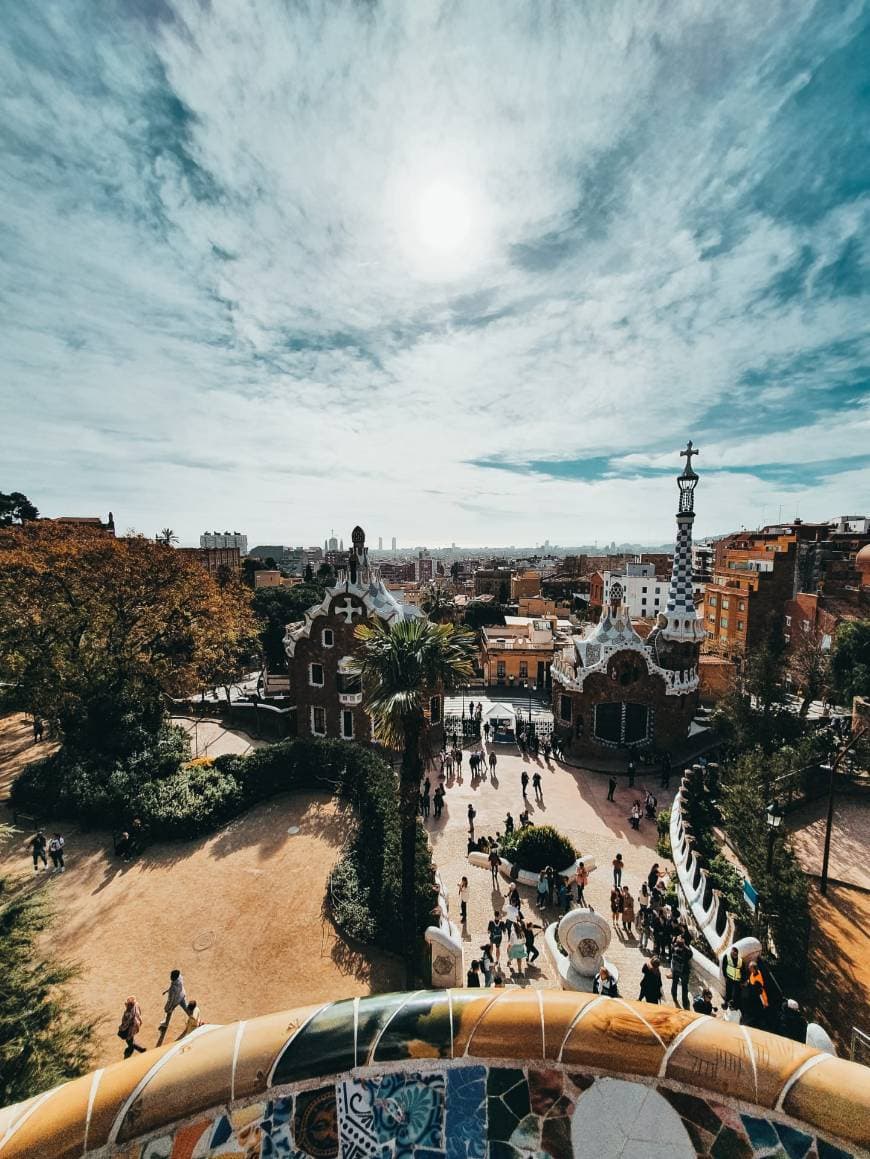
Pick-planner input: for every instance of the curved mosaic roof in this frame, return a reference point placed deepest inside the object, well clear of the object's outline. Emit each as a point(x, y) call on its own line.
point(213, 1076)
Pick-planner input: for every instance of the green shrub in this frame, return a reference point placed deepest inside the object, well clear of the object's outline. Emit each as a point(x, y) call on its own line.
point(351, 901)
point(663, 846)
point(537, 847)
point(663, 822)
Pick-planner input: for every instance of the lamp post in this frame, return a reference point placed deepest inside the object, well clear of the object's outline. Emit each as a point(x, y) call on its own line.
point(774, 821)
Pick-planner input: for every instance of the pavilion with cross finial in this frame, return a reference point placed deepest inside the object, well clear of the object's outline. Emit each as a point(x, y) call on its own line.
point(615, 690)
point(324, 692)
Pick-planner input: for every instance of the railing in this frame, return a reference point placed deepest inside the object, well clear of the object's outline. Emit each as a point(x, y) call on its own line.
point(348, 698)
point(859, 1046)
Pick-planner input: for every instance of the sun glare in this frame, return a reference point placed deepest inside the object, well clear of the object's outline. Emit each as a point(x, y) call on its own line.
point(443, 219)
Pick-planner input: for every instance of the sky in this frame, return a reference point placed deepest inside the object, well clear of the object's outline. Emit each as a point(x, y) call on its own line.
point(459, 272)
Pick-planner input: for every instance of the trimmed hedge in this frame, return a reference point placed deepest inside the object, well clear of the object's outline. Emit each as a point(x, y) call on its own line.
point(537, 847)
point(189, 800)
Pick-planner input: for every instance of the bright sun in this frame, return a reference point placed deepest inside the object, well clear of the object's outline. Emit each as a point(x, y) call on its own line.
point(440, 219)
point(444, 219)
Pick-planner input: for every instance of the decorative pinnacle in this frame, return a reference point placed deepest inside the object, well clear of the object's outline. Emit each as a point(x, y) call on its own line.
point(687, 455)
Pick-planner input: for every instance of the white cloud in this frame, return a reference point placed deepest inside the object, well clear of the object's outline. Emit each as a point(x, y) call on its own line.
point(217, 310)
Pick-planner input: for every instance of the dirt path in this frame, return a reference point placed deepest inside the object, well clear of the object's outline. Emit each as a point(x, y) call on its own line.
point(17, 749)
point(239, 913)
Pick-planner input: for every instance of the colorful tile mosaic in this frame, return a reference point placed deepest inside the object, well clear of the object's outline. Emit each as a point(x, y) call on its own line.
point(426, 1076)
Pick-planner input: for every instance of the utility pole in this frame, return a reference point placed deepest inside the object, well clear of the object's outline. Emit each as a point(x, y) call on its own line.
point(832, 784)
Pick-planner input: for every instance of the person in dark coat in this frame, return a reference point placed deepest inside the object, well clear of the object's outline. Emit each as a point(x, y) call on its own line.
point(605, 984)
point(650, 982)
point(792, 1023)
point(681, 965)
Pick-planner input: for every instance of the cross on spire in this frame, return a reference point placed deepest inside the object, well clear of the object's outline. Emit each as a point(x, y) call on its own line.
point(687, 455)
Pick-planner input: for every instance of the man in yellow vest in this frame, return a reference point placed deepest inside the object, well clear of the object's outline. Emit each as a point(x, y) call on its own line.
point(732, 968)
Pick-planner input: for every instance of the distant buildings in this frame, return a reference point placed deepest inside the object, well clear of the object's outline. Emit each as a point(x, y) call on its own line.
point(757, 576)
point(85, 523)
point(394, 545)
point(224, 539)
point(221, 563)
point(424, 568)
point(518, 655)
point(268, 551)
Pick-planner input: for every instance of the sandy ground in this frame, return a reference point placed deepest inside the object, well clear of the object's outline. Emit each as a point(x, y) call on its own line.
point(17, 749)
point(211, 738)
point(239, 913)
point(850, 838)
point(840, 962)
point(575, 802)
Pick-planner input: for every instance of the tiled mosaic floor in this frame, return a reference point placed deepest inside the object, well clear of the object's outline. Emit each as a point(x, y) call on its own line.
point(486, 1112)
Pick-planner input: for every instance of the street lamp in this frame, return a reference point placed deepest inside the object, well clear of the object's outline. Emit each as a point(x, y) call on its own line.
point(774, 821)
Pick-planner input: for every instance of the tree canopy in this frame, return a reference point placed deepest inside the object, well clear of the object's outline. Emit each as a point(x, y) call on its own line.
point(850, 662)
point(275, 608)
point(15, 508)
point(95, 629)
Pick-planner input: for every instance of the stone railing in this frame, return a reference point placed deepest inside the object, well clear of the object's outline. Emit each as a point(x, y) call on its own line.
point(706, 903)
point(457, 1073)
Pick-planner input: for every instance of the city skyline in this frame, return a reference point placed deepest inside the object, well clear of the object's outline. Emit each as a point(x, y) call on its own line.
point(479, 282)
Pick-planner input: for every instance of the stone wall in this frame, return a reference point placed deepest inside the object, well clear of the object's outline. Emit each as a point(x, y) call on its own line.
point(460, 1074)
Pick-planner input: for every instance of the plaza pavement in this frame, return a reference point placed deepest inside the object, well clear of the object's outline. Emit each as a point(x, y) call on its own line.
point(574, 801)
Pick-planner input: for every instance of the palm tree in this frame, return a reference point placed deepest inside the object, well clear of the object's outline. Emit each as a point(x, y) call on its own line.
point(402, 665)
point(437, 603)
point(167, 536)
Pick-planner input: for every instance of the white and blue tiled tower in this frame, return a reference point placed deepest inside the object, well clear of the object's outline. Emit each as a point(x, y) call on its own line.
point(680, 621)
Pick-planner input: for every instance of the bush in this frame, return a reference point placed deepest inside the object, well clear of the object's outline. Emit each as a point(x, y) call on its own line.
point(537, 847)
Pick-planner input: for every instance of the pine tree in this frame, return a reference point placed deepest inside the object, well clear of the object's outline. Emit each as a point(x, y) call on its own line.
point(44, 1038)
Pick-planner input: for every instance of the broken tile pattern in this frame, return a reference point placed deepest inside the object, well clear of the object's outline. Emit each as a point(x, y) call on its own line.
point(471, 1110)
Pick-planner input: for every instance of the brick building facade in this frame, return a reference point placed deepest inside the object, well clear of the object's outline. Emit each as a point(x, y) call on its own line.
point(323, 689)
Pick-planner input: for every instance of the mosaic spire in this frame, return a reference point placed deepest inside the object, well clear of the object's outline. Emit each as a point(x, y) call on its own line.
point(680, 620)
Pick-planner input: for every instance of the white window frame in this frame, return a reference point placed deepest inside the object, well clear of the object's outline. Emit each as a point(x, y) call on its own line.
point(317, 708)
point(330, 643)
point(311, 681)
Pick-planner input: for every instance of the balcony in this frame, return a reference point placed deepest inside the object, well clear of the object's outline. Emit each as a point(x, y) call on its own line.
point(349, 699)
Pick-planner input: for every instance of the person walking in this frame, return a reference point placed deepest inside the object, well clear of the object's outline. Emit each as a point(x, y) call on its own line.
point(175, 996)
point(426, 803)
point(486, 963)
point(493, 760)
point(650, 982)
point(543, 890)
point(462, 894)
point(681, 965)
point(615, 906)
point(652, 878)
point(618, 866)
point(55, 849)
point(457, 756)
point(471, 815)
point(473, 977)
point(37, 845)
point(494, 863)
point(486, 731)
point(631, 772)
point(754, 1000)
point(131, 1024)
point(470, 710)
point(496, 933)
point(564, 895)
point(37, 730)
point(634, 818)
point(581, 880)
point(524, 781)
point(517, 948)
point(611, 789)
point(508, 825)
point(532, 951)
point(194, 1018)
point(536, 786)
point(627, 911)
point(438, 801)
point(732, 968)
point(551, 884)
